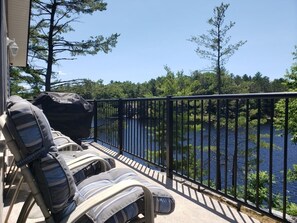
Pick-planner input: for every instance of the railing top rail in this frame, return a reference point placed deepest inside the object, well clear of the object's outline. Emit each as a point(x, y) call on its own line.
point(131, 99)
point(215, 96)
point(242, 96)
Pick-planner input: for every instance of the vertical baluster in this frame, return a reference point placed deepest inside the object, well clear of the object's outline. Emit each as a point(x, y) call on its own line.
point(139, 125)
point(131, 128)
point(176, 135)
point(120, 125)
point(271, 130)
point(95, 123)
point(258, 153)
point(209, 141)
point(195, 140)
point(226, 144)
point(182, 136)
point(134, 118)
point(155, 132)
point(218, 149)
point(151, 128)
point(201, 141)
point(235, 158)
point(285, 157)
point(188, 138)
point(169, 137)
point(160, 133)
point(164, 130)
point(147, 128)
point(136, 129)
point(247, 118)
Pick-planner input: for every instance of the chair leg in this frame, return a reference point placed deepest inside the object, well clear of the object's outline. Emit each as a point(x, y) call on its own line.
point(11, 181)
point(26, 209)
point(10, 171)
point(27, 206)
point(16, 193)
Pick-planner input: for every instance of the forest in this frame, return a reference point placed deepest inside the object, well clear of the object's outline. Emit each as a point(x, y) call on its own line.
point(173, 83)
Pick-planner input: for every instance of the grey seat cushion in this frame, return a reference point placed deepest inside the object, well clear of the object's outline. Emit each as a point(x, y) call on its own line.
point(128, 202)
point(86, 169)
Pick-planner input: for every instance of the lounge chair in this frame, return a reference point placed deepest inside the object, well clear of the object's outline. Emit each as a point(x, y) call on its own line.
point(82, 163)
point(68, 147)
point(112, 196)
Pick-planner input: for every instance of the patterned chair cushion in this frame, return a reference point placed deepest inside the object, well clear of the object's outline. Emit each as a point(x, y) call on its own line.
point(125, 205)
point(32, 133)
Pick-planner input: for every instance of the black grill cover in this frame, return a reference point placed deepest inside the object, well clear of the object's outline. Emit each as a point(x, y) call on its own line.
point(67, 112)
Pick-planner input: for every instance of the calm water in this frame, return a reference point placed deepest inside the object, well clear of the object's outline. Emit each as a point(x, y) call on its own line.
point(135, 132)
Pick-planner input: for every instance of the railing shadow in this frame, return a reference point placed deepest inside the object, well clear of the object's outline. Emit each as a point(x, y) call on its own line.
point(199, 196)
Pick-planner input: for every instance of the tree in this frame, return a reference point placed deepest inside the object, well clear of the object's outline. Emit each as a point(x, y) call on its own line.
point(23, 84)
point(277, 85)
point(215, 46)
point(291, 84)
point(15, 80)
point(50, 21)
point(260, 83)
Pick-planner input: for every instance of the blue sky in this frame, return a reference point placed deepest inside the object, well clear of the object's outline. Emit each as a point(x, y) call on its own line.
point(155, 33)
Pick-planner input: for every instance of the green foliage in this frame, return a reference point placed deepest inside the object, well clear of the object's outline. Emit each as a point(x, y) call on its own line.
point(292, 118)
point(292, 209)
point(48, 44)
point(86, 88)
point(260, 84)
point(292, 173)
point(203, 83)
point(263, 186)
point(291, 84)
point(215, 45)
point(173, 83)
point(15, 78)
point(23, 84)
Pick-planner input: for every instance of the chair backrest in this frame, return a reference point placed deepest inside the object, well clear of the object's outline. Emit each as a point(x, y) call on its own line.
point(36, 150)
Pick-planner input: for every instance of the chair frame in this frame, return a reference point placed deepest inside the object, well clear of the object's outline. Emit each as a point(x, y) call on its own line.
point(85, 206)
point(72, 164)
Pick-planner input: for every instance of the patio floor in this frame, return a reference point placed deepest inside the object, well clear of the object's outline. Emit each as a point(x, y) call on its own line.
point(192, 206)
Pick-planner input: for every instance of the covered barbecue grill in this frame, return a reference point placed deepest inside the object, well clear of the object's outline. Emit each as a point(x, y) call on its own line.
point(67, 112)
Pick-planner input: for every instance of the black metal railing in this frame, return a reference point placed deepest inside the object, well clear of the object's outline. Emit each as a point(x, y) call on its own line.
point(236, 145)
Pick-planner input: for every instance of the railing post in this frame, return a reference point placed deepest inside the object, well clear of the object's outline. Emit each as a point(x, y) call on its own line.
point(95, 120)
point(120, 126)
point(169, 137)
point(218, 150)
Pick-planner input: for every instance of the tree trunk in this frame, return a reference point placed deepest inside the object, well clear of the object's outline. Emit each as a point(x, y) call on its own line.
point(219, 61)
point(49, 68)
point(218, 150)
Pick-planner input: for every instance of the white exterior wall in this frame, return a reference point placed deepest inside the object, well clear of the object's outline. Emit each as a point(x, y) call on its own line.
point(3, 58)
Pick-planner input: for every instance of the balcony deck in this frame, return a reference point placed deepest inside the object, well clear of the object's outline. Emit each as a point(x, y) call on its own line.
point(191, 205)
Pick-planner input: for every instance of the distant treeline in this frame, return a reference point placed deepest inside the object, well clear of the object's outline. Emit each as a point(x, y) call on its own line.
point(175, 84)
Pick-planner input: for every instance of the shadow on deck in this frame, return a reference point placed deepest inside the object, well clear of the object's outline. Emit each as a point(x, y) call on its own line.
point(192, 205)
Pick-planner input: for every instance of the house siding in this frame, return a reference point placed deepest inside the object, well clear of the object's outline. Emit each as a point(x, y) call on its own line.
point(3, 92)
point(3, 58)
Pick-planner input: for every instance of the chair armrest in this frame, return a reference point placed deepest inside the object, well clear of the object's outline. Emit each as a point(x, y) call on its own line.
point(87, 158)
point(69, 144)
point(110, 192)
